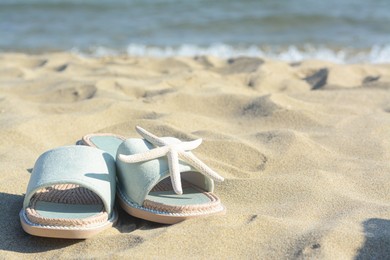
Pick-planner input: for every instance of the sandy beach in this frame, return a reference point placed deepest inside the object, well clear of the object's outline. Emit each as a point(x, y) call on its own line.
point(304, 148)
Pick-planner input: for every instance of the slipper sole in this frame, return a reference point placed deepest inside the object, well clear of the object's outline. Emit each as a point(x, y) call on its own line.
point(65, 232)
point(161, 217)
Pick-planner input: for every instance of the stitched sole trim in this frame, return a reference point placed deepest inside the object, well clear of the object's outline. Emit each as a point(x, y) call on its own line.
point(86, 140)
point(63, 231)
point(163, 216)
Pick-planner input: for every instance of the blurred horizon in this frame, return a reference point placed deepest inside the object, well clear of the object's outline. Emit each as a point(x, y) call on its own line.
point(341, 31)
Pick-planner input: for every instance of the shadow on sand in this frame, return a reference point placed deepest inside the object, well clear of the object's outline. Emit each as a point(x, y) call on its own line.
point(377, 240)
point(16, 240)
point(13, 236)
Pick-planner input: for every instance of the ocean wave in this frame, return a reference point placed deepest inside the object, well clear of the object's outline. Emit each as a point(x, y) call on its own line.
point(375, 54)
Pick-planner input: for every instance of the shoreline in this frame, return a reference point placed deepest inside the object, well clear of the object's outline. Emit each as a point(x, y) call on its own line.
point(376, 54)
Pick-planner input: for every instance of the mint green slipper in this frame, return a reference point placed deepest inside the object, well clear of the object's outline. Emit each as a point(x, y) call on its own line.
point(70, 194)
point(159, 179)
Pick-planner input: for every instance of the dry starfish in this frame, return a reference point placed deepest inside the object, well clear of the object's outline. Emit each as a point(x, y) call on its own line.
point(173, 151)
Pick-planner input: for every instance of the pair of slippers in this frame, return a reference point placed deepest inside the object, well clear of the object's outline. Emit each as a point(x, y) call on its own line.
point(72, 189)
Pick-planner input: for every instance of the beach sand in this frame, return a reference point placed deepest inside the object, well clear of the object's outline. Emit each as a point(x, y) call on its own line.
point(304, 148)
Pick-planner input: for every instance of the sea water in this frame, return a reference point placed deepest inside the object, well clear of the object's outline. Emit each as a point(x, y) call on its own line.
point(336, 30)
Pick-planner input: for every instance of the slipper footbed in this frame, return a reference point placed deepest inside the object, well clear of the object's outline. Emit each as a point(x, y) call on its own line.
point(66, 205)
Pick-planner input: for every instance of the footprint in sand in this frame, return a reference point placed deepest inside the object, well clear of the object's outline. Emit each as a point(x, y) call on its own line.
point(68, 92)
point(318, 79)
point(241, 157)
point(260, 107)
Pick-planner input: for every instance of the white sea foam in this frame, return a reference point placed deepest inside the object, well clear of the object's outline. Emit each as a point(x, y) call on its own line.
point(376, 54)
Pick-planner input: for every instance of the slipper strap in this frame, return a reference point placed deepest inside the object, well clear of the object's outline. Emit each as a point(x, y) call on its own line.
point(86, 166)
point(136, 180)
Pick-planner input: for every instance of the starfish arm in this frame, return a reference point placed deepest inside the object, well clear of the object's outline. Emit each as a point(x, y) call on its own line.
point(187, 146)
point(200, 166)
point(150, 137)
point(145, 156)
point(173, 162)
point(172, 150)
